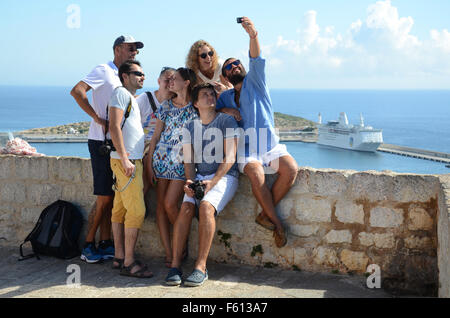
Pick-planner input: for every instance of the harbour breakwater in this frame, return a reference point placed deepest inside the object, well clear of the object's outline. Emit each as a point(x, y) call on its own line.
point(285, 136)
point(338, 221)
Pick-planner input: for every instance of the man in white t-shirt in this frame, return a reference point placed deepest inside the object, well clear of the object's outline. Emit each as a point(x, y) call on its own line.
point(103, 79)
point(127, 136)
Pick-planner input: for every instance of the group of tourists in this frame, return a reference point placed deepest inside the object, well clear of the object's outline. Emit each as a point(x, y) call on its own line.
point(189, 140)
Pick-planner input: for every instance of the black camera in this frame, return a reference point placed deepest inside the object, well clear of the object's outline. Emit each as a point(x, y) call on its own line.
point(106, 148)
point(199, 189)
point(239, 20)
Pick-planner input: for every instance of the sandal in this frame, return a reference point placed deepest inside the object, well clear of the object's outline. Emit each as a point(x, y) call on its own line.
point(126, 270)
point(280, 237)
point(265, 222)
point(118, 261)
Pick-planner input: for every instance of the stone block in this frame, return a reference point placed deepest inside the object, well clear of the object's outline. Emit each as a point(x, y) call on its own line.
point(32, 168)
point(6, 167)
point(313, 210)
point(419, 219)
point(285, 207)
point(366, 239)
point(410, 188)
point(80, 194)
point(300, 255)
point(327, 183)
point(386, 217)
point(44, 194)
point(31, 215)
point(86, 170)
point(231, 227)
point(303, 230)
point(13, 192)
point(334, 236)
point(416, 242)
point(371, 186)
point(385, 240)
point(354, 261)
point(347, 212)
point(325, 256)
point(380, 240)
point(68, 169)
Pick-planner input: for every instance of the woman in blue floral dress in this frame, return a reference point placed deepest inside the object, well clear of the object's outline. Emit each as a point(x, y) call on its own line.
point(165, 162)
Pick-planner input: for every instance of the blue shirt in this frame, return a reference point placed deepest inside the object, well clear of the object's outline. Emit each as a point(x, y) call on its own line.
point(255, 108)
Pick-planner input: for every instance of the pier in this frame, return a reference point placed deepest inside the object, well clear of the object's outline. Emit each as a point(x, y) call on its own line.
point(415, 153)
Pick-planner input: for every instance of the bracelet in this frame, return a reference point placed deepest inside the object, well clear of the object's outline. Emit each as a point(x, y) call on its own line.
point(254, 37)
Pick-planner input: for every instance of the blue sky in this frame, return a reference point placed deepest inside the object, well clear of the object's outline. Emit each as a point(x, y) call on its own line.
point(353, 44)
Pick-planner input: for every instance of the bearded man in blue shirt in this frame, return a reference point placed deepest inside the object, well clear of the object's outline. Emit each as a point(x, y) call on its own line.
point(249, 102)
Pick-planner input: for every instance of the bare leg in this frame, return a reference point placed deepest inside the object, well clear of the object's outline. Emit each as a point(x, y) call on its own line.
point(100, 216)
point(255, 172)
point(130, 243)
point(206, 230)
point(161, 217)
point(181, 230)
point(287, 173)
point(119, 240)
point(172, 198)
point(131, 235)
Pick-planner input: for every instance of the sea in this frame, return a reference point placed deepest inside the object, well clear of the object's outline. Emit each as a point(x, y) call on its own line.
point(412, 118)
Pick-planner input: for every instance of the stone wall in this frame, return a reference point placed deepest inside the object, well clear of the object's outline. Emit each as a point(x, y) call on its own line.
point(338, 221)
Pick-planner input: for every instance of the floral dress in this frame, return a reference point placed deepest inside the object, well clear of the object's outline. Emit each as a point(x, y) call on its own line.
point(168, 155)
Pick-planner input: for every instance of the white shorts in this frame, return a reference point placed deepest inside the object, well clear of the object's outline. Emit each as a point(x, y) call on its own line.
point(218, 196)
point(276, 152)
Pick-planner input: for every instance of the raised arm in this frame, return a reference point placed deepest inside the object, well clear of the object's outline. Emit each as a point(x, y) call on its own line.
point(249, 27)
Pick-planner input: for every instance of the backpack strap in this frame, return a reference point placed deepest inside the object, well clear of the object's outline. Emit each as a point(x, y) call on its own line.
point(152, 101)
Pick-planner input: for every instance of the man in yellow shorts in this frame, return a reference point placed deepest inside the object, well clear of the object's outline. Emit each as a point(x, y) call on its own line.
point(127, 136)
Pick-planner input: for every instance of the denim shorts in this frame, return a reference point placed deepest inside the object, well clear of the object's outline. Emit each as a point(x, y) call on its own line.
point(101, 169)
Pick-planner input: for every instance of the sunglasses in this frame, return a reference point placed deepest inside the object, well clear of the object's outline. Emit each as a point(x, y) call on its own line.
point(204, 55)
point(229, 66)
point(137, 73)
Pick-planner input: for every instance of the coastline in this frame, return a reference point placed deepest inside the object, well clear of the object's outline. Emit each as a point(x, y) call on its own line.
point(291, 128)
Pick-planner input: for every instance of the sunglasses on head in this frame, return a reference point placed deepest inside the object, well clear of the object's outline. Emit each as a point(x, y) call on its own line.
point(229, 66)
point(204, 55)
point(137, 73)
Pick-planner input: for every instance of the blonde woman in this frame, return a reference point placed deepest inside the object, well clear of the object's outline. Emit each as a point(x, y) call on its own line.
point(204, 61)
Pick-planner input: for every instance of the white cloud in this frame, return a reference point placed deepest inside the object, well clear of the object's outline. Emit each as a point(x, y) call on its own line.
point(380, 45)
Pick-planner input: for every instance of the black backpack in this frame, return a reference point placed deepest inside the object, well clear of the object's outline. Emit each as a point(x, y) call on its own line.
point(56, 232)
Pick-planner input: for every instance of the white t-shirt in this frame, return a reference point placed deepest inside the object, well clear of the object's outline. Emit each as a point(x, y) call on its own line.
point(132, 132)
point(147, 116)
point(103, 79)
point(216, 77)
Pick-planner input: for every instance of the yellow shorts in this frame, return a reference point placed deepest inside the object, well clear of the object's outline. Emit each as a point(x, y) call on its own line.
point(129, 205)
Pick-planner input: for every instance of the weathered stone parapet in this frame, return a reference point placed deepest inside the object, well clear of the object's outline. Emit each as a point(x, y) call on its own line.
point(339, 221)
point(443, 232)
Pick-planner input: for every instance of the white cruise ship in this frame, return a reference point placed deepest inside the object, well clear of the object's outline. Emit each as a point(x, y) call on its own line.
point(343, 135)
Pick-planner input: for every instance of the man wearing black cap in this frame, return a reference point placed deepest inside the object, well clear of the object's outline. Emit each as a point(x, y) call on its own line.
point(103, 79)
